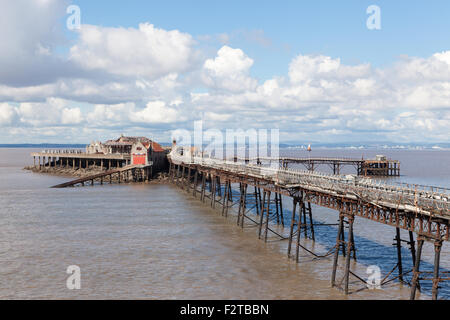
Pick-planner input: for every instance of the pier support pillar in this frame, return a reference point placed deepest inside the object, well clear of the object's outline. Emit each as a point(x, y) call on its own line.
point(202, 194)
point(416, 270)
point(213, 191)
point(178, 174)
point(257, 204)
point(280, 205)
point(311, 223)
point(225, 199)
point(242, 204)
point(398, 244)
point(412, 246)
point(219, 189)
point(279, 209)
point(277, 212)
point(436, 280)
point(266, 212)
point(188, 181)
point(263, 210)
point(291, 233)
point(305, 213)
point(349, 248)
point(171, 171)
point(181, 178)
point(194, 189)
point(299, 226)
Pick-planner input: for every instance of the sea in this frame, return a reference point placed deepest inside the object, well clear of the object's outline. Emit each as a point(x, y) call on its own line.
point(155, 241)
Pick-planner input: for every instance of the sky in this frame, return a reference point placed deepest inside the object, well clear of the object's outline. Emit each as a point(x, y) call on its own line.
point(315, 70)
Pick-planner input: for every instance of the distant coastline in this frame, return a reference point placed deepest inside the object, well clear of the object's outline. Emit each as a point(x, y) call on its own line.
point(49, 145)
point(43, 145)
point(320, 146)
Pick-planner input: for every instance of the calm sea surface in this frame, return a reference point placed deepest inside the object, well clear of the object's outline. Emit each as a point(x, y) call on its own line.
point(148, 241)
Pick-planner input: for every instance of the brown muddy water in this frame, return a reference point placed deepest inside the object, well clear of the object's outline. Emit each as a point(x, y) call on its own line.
point(154, 241)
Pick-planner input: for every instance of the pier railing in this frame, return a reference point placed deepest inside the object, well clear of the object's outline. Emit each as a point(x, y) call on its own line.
point(420, 199)
point(424, 210)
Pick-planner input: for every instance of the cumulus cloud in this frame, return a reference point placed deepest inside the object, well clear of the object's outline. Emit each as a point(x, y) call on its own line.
point(328, 97)
point(71, 116)
point(157, 112)
point(128, 114)
point(229, 71)
point(147, 77)
point(7, 114)
point(144, 52)
point(29, 37)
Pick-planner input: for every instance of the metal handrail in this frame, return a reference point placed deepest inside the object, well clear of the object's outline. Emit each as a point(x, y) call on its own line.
point(417, 199)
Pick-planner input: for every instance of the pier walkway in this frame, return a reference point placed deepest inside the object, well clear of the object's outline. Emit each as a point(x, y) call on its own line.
point(420, 210)
point(79, 159)
point(364, 167)
point(124, 174)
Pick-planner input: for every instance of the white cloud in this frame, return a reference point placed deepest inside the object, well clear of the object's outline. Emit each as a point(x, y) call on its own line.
point(109, 115)
point(144, 52)
point(71, 116)
point(7, 114)
point(28, 35)
point(136, 78)
point(157, 112)
point(229, 71)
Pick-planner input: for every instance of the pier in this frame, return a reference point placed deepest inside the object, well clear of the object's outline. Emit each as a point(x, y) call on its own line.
point(135, 173)
point(124, 159)
point(256, 187)
point(79, 159)
point(380, 166)
point(420, 211)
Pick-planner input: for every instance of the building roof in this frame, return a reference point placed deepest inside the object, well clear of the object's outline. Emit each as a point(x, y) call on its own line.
point(157, 147)
point(118, 143)
point(129, 141)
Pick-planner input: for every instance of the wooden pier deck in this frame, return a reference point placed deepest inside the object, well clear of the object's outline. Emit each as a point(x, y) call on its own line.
point(124, 174)
point(419, 210)
point(78, 159)
point(364, 167)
